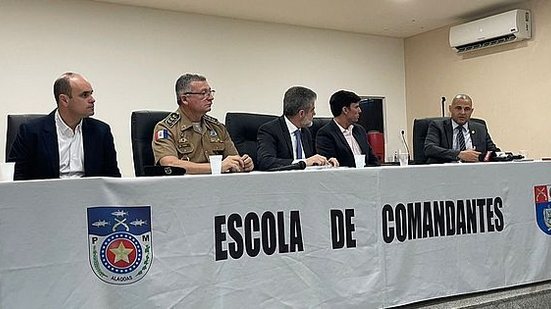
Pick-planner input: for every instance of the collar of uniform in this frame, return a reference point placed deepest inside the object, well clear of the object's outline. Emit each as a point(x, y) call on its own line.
point(206, 121)
point(186, 123)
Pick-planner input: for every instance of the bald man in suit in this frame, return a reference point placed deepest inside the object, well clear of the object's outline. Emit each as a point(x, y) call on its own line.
point(67, 143)
point(458, 138)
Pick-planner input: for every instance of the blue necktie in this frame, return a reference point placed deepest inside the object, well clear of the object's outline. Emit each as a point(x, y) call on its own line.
point(299, 144)
point(460, 138)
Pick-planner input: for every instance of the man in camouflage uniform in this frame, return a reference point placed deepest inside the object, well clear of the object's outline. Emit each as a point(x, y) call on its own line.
point(187, 137)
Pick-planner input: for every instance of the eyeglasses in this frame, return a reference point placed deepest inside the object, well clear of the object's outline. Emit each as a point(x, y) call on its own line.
point(204, 94)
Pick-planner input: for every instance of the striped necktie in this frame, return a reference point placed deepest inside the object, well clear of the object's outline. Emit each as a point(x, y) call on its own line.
point(460, 138)
point(299, 144)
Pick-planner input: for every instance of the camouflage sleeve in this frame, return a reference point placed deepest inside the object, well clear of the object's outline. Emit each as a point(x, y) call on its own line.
point(163, 143)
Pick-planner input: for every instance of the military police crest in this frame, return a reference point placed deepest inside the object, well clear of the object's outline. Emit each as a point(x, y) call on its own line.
point(119, 241)
point(543, 207)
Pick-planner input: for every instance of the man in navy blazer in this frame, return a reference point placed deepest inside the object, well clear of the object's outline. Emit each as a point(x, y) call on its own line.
point(66, 143)
point(287, 139)
point(343, 138)
point(443, 143)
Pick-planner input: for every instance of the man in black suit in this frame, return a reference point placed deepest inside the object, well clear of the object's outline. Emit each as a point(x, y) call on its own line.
point(287, 139)
point(66, 143)
point(457, 138)
point(343, 138)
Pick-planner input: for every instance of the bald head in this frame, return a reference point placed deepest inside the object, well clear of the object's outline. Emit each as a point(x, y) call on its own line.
point(462, 97)
point(62, 85)
point(461, 108)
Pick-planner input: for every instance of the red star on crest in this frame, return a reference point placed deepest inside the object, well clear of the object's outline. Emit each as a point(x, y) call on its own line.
point(121, 253)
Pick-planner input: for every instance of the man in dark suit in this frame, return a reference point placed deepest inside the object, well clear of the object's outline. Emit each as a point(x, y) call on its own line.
point(66, 143)
point(343, 138)
point(457, 138)
point(287, 139)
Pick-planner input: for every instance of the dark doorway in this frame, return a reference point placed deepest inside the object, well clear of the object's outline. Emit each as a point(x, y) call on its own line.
point(372, 120)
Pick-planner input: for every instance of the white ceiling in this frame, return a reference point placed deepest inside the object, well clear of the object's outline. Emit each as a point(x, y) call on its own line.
point(394, 18)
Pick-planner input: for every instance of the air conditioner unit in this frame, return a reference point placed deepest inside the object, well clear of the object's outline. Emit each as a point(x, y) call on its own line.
point(495, 30)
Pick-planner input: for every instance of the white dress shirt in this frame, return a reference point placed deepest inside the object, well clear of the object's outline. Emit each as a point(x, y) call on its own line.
point(292, 128)
point(70, 147)
point(352, 143)
point(466, 135)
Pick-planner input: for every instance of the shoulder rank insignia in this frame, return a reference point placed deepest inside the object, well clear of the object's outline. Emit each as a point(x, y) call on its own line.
point(172, 119)
point(210, 118)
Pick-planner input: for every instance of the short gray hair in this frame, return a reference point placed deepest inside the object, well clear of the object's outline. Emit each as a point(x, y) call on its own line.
point(183, 84)
point(297, 98)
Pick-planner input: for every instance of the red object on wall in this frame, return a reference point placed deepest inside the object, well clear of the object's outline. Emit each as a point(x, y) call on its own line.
point(376, 140)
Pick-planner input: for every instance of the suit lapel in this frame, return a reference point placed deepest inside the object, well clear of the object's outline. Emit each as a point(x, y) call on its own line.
point(474, 135)
point(87, 145)
point(361, 140)
point(286, 136)
point(448, 130)
point(307, 143)
point(49, 138)
point(340, 137)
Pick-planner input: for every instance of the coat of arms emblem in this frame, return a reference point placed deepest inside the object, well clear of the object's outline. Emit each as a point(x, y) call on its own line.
point(119, 241)
point(543, 207)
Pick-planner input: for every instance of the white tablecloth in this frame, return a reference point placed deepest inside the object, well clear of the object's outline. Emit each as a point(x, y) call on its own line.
point(399, 235)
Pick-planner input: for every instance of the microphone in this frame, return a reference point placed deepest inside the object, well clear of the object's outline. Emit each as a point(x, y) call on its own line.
point(404, 141)
point(443, 101)
point(487, 156)
point(300, 165)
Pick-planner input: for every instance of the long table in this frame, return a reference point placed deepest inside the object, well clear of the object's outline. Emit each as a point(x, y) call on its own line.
point(365, 238)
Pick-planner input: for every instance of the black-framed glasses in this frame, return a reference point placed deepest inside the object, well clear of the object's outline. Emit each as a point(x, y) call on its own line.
point(204, 94)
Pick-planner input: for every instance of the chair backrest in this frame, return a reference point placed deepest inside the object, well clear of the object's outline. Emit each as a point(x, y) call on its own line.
point(317, 123)
point(243, 128)
point(142, 124)
point(420, 128)
point(14, 121)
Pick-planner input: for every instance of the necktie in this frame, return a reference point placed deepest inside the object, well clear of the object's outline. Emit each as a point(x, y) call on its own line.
point(299, 144)
point(460, 138)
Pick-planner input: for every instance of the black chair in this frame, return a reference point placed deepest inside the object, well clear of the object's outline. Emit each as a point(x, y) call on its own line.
point(316, 125)
point(14, 121)
point(243, 128)
point(420, 128)
point(142, 124)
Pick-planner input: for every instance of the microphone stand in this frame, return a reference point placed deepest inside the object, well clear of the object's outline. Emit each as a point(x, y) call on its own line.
point(443, 101)
point(405, 143)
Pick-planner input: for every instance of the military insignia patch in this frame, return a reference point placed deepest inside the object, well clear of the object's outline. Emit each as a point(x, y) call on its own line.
point(543, 207)
point(119, 242)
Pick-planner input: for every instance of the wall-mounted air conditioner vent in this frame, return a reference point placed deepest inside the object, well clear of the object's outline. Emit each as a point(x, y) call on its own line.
point(495, 30)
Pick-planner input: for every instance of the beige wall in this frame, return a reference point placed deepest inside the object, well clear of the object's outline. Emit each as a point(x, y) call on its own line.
point(510, 84)
point(133, 56)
